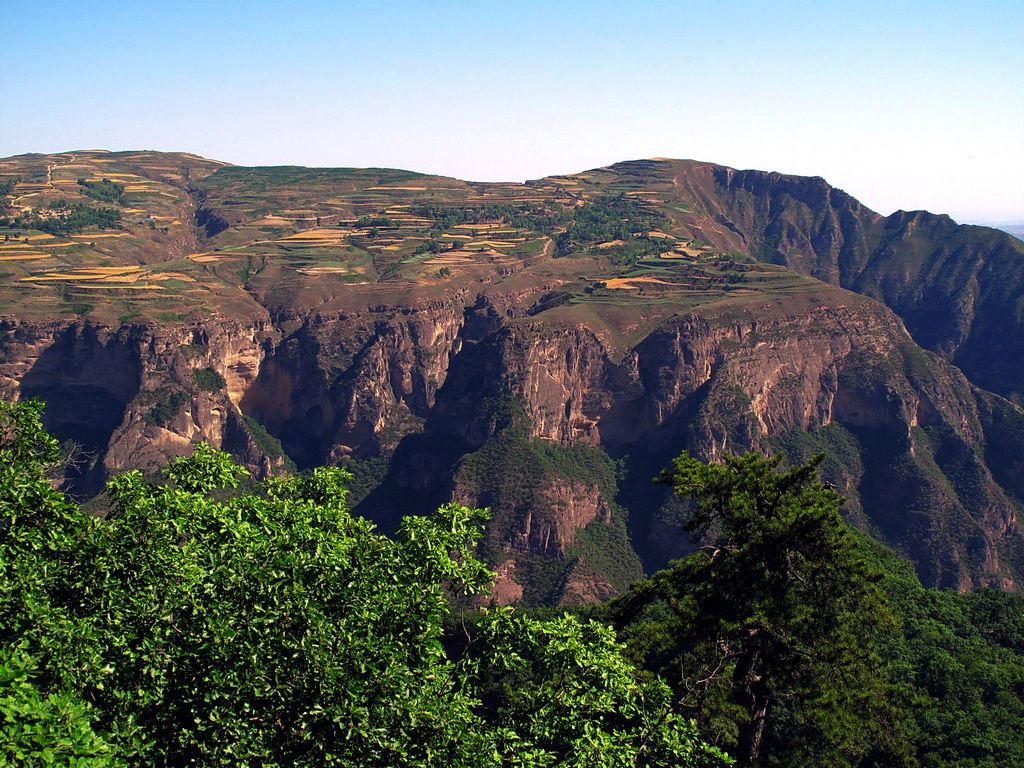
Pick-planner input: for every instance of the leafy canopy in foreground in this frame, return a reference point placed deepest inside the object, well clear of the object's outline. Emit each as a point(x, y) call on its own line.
point(199, 626)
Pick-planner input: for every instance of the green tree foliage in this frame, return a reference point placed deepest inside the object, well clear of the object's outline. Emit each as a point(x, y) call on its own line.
point(961, 658)
point(62, 217)
point(42, 722)
point(427, 246)
point(556, 686)
point(771, 628)
point(208, 379)
point(167, 405)
point(543, 216)
point(38, 729)
point(105, 190)
point(196, 625)
point(610, 218)
point(827, 632)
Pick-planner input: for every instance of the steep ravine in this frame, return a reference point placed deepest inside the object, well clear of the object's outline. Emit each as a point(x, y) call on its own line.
point(908, 431)
point(132, 397)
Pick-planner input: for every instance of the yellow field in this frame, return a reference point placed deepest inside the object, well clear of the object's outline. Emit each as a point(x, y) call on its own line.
point(25, 256)
point(611, 244)
point(627, 282)
point(691, 252)
point(130, 286)
point(314, 271)
point(493, 243)
point(109, 277)
point(659, 235)
point(317, 234)
point(92, 273)
point(453, 258)
point(20, 246)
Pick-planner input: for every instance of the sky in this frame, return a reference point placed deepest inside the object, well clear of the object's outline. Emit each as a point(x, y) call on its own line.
point(903, 105)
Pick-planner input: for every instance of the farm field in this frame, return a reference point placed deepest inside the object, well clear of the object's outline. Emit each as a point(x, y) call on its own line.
point(131, 236)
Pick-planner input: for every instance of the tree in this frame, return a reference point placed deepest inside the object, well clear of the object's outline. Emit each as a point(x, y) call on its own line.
point(771, 626)
point(43, 720)
point(199, 625)
point(562, 692)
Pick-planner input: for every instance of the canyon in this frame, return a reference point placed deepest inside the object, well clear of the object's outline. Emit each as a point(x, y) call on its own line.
point(542, 349)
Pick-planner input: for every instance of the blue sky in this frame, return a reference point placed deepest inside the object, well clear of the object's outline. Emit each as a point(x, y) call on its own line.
point(904, 105)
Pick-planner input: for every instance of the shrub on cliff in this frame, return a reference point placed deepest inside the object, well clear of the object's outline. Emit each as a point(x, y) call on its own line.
point(208, 379)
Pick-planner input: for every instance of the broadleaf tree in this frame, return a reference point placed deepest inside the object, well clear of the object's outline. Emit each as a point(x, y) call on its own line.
point(197, 625)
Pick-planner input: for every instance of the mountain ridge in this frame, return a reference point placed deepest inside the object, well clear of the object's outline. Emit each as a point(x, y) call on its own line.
point(579, 329)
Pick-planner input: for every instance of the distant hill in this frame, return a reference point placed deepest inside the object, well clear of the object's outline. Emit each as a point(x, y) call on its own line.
point(540, 348)
point(1017, 230)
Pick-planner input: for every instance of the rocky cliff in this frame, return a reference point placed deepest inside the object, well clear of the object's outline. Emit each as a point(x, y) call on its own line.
point(907, 434)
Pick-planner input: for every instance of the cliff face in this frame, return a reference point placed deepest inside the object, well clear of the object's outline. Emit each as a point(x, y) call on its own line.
point(541, 349)
point(495, 420)
point(130, 398)
point(907, 432)
point(353, 383)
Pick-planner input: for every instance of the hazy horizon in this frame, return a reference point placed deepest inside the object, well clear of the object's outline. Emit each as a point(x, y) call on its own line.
point(902, 105)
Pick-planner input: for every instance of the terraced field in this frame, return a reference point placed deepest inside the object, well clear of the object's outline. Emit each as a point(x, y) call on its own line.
point(128, 269)
point(136, 235)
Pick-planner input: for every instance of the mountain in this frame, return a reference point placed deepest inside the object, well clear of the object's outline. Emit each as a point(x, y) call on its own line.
point(542, 348)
